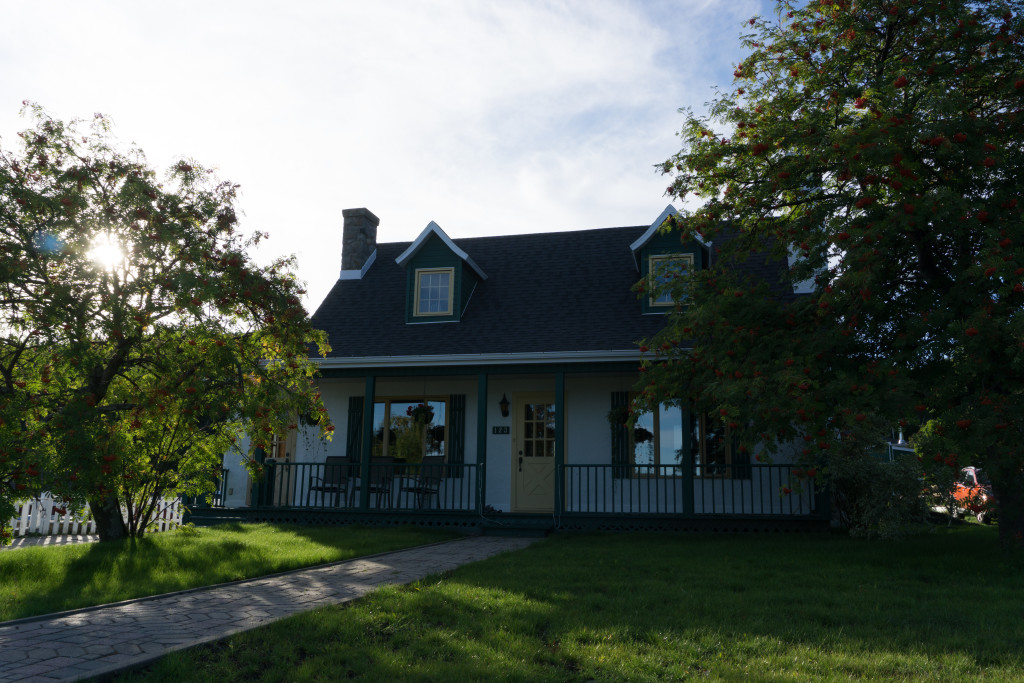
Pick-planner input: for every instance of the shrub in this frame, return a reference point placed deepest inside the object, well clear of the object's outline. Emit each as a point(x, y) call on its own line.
point(873, 498)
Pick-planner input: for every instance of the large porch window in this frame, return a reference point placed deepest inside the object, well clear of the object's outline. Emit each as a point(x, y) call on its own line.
point(712, 447)
point(657, 443)
point(410, 429)
point(659, 439)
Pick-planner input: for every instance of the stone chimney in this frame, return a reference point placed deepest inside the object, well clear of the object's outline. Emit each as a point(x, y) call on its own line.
point(358, 243)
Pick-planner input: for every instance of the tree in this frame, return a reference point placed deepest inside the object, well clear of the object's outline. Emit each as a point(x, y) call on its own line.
point(876, 147)
point(137, 336)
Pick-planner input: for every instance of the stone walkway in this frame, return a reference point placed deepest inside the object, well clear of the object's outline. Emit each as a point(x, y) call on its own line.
point(100, 640)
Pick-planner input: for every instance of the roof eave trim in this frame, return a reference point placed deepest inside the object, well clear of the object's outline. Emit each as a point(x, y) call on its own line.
point(649, 233)
point(464, 359)
point(655, 226)
point(434, 228)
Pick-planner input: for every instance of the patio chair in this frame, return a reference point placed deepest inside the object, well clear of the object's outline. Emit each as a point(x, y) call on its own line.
point(380, 479)
point(335, 479)
point(381, 473)
point(428, 479)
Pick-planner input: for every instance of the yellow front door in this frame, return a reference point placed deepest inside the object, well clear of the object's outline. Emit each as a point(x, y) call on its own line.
point(533, 454)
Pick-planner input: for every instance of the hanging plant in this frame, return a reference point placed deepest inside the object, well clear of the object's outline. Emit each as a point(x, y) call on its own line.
point(421, 414)
point(618, 416)
point(641, 435)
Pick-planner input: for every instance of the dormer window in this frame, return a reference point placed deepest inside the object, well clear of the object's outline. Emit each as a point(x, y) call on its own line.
point(661, 257)
point(434, 291)
point(664, 268)
point(440, 278)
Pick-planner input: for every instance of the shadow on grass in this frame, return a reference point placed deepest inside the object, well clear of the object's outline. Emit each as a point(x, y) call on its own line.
point(43, 580)
point(111, 571)
point(358, 536)
point(660, 607)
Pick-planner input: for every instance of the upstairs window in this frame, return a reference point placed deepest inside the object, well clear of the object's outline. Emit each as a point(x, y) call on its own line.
point(434, 291)
point(663, 269)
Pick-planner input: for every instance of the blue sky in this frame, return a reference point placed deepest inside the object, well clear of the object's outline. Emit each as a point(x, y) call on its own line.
point(488, 117)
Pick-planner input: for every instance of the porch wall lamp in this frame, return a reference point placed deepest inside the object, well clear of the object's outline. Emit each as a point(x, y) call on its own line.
point(503, 404)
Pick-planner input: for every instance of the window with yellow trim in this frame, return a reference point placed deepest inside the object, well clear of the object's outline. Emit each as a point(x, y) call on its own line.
point(434, 291)
point(663, 269)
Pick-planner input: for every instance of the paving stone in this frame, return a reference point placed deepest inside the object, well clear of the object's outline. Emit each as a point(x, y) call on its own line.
point(23, 672)
point(70, 650)
point(43, 653)
point(63, 661)
point(74, 639)
point(13, 654)
point(81, 670)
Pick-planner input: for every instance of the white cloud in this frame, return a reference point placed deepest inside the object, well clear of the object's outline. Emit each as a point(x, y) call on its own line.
point(488, 117)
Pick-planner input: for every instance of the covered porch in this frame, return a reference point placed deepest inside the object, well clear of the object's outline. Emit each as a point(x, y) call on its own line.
point(510, 445)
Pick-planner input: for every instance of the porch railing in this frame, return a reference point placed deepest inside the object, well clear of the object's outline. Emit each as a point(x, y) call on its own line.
point(391, 487)
point(219, 496)
point(754, 490)
point(742, 490)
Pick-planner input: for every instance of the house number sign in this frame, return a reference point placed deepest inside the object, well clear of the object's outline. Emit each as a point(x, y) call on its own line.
point(499, 430)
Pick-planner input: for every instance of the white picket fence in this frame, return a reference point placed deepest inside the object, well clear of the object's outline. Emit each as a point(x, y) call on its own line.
point(41, 516)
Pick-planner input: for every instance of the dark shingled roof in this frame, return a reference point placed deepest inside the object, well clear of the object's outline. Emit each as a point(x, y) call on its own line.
point(758, 266)
point(545, 292)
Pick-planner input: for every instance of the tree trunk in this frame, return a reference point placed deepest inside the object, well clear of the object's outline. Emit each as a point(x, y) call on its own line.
point(1010, 506)
point(107, 513)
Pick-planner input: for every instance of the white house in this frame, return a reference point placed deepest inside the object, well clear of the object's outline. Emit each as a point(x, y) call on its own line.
point(488, 378)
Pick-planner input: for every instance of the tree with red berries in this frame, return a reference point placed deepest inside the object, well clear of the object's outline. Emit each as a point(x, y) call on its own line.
point(137, 336)
point(873, 149)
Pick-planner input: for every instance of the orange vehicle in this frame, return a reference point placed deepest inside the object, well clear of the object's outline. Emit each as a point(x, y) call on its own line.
point(973, 493)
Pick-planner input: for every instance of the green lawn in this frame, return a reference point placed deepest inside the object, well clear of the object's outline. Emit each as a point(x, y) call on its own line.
point(39, 580)
point(941, 606)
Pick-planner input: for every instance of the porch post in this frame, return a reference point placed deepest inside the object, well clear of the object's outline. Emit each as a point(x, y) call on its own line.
point(256, 492)
point(481, 440)
point(364, 467)
point(559, 441)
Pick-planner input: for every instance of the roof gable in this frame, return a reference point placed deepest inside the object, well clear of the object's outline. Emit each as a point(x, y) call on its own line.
point(434, 229)
point(649, 234)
